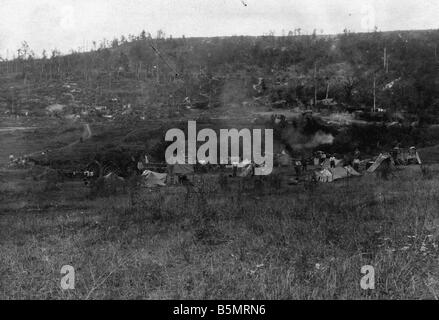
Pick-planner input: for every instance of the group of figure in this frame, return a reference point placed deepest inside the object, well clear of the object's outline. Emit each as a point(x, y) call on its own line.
point(18, 161)
point(321, 158)
point(403, 158)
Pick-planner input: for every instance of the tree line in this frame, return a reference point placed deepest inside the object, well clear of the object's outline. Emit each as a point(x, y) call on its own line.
point(402, 68)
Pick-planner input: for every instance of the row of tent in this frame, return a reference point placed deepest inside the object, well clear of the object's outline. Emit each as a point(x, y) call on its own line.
point(383, 161)
point(152, 179)
point(327, 174)
point(156, 179)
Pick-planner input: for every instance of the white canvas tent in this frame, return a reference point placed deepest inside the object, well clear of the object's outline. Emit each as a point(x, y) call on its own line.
point(413, 156)
point(247, 171)
point(343, 172)
point(244, 163)
point(154, 179)
point(378, 162)
point(112, 177)
point(352, 172)
point(333, 174)
point(327, 163)
point(324, 176)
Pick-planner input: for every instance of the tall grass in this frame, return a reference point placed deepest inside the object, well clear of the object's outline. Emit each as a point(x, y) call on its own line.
point(250, 239)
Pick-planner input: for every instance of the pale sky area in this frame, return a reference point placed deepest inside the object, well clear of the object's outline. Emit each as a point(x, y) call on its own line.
point(70, 24)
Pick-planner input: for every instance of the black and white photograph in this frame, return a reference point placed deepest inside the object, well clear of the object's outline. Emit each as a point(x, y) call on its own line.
point(250, 151)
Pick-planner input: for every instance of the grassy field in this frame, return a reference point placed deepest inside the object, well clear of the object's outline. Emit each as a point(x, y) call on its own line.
point(293, 242)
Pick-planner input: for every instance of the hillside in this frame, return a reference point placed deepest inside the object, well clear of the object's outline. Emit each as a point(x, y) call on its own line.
point(132, 91)
point(151, 74)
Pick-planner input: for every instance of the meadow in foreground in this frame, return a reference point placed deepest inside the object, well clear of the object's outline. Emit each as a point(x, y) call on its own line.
point(296, 242)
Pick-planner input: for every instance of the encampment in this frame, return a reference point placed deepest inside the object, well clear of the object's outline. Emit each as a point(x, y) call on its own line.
point(112, 177)
point(406, 157)
point(327, 163)
point(338, 173)
point(153, 179)
point(333, 174)
point(382, 158)
point(343, 172)
point(352, 172)
point(324, 176)
point(247, 171)
point(244, 163)
point(413, 156)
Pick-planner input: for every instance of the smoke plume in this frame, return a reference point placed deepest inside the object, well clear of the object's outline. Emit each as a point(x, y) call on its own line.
point(299, 141)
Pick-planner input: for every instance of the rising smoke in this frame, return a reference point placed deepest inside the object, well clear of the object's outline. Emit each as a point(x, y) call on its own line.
point(299, 141)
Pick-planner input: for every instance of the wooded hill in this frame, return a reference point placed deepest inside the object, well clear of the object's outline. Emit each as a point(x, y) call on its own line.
point(296, 69)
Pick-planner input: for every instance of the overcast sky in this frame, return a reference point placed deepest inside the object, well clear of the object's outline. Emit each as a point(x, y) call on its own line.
point(69, 24)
